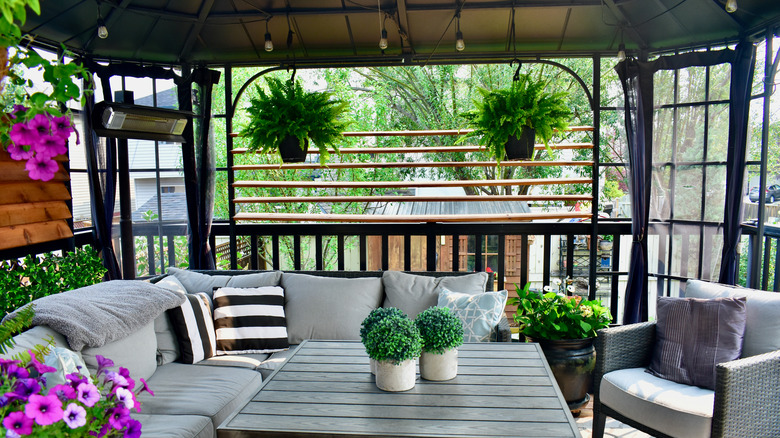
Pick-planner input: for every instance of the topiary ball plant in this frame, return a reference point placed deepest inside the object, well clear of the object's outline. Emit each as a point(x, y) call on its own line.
point(375, 316)
point(440, 329)
point(394, 339)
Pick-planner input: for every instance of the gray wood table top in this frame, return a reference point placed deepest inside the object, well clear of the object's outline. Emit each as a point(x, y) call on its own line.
point(327, 390)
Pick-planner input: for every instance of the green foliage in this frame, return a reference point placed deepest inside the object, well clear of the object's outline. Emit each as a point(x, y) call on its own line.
point(15, 325)
point(612, 190)
point(35, 277)
point(13, 13)
point(505, 112)
point(440, 329)
point(288, 110)
point(375, 316)
point(394, 338)
point(553, 316)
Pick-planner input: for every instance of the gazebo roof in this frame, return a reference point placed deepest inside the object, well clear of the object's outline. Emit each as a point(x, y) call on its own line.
point(347, 32)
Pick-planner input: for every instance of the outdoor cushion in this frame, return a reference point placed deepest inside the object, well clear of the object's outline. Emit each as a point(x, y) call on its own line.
point(167, 344)
point(37, 335)
point(274, 361)
point(215, 392)
point(250, 320)
point(136, 352)
point(193, 324)
point(672, 408)
point(197, 282)
point(479, 313)
point(762, 326)
point(175, 426)
point(328, 308)
point(250, 361)
point(414, 293)
point(693, 335)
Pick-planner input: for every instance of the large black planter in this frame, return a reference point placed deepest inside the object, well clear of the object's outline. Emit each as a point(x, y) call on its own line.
point(572, 362)
point(521, 148)
point(291, 151)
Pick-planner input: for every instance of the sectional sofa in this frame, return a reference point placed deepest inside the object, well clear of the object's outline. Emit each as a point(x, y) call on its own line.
point(191, 400)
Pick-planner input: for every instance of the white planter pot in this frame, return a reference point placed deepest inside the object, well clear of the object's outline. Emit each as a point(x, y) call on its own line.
point(392, 377)
point(372, 364)
point(442, 366)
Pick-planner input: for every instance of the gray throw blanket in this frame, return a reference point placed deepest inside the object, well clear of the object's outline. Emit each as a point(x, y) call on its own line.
point(105, 312)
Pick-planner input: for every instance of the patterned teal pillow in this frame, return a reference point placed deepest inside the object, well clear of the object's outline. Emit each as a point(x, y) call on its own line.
point(480, 313)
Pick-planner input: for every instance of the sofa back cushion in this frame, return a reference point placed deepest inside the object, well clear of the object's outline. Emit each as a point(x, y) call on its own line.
point(38, 335)
point(136, 352)
point(198, 282)
point(167, 344)
point(328, 308)
point(762, 329)
point(414, 293)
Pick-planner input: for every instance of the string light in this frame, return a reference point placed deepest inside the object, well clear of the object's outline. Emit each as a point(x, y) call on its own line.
point(731, 6)
point(621, 54)
point(383, 33)
point(459, 43)
point(269, 45)
point(102, 30)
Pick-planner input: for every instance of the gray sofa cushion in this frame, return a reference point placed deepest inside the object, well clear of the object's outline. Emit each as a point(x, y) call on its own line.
point(274, 361)
point(175, 426)
point(762, 328)
point(250, 361)
point(167, 344)
point(415, 293)
point(198, 282)
point(137, 353)
point(36, 336)
point(672, 408)
point(215, 392)
point(328, 308)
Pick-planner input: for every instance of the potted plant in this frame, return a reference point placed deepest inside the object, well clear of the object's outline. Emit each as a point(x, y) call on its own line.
point(565, 327)
point(370, 322)
point(509, 119)
point(442, 334)
point(605, 242)
point(286, 117)
point(394, 343)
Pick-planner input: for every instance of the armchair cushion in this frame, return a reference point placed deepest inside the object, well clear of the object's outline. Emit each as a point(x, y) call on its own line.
point(693, 335)
point(671, 408)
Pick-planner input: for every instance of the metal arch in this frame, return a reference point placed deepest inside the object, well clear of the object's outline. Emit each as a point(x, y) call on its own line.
point(567, 70)
point(246, 84)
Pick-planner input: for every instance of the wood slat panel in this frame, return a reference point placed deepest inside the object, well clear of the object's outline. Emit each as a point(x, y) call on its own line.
point(15, 214)
point(32, 191)
point(429, 149)
point(367, 218)
point(20, 235)
point(421, 387)
point(15, 171)
point(409, 184)
point(492, 198)
point(405, 165)
point(6, 157)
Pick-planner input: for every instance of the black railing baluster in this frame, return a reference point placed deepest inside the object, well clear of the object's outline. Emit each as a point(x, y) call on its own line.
point(615, 278)
point(150, 254)
point(275, 252)
point(253, 257)
point(431, 259)
point(385, 252)
point(363, 253)
point(171, 241)
point(523, 259)
point(340, 252)
point(501, 268)
point(455, 252)
point(407, 252)
point(765, 270)
point(570, 255)
point(547, 259)
point(478, 243)
point(297, 252)
point(318, 252)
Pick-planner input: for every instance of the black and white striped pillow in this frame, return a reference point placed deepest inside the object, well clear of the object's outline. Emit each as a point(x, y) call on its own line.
point(250, 320)
point(194, 327)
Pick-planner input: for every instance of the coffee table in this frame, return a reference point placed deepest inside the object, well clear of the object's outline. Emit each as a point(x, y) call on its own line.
point(327, 390)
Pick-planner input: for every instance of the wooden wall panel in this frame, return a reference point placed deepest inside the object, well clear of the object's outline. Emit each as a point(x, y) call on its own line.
point(28, 234)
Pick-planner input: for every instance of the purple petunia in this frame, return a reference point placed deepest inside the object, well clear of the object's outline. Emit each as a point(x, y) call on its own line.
point(24, 388)
point(51, 146)
point(88, 394)
point(19, 153)
point(133, 429)
point(103, 363)
point(44, 409)
point(41, 167)
point(118, 417)
point(146, 387)
point(18, 423)
point(61, 127)
point(74, 416)
point(40, 367)
point(41, 125)
point(125, 397)
point(63, 392)
point(21, 134)
point(117, 379)
point(16, 372)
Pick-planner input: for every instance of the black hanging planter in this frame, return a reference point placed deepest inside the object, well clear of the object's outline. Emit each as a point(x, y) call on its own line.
point(521, 148)
point(291, 151)
point(572, 362)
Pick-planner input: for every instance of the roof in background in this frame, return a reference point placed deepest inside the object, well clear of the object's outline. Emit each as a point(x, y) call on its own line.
point(346, 32)
point(174, 207)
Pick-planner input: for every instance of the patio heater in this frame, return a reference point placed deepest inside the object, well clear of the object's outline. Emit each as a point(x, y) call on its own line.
point(124, 120)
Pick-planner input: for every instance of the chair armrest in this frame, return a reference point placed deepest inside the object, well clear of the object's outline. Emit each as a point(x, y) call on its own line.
point(747, 397)
point(502, 331)
point(617, 348)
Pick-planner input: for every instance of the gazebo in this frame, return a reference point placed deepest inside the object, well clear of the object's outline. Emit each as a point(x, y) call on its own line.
point(200, 44)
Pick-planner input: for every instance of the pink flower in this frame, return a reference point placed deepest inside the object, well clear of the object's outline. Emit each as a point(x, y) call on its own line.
point(44, 409)
point(18, 423)
point(41, 167)
point(88, 394)
point(118, 417)
point(41, 368)
point(23, 135)
point(146, 387)
point(41, 124)
point(63, 392)
point(51, 145)
point(61, 127)
point(19, 153)
point(103, 363)
point(74, 416)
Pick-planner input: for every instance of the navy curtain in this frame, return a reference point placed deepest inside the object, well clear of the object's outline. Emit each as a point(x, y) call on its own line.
point(102, 172)
point(741, 81)
point(199, 167)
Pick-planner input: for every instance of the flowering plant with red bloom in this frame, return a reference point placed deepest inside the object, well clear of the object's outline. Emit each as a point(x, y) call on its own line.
point(83, 406)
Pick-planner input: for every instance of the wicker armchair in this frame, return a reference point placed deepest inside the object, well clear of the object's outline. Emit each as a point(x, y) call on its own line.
point(746, 397)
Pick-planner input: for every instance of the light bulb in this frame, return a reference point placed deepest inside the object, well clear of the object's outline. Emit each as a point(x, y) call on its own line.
point(102, 30)
point(621, 54)
point(459, 44)
point(383, 40)
point(731, 6)
point(269, 45)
